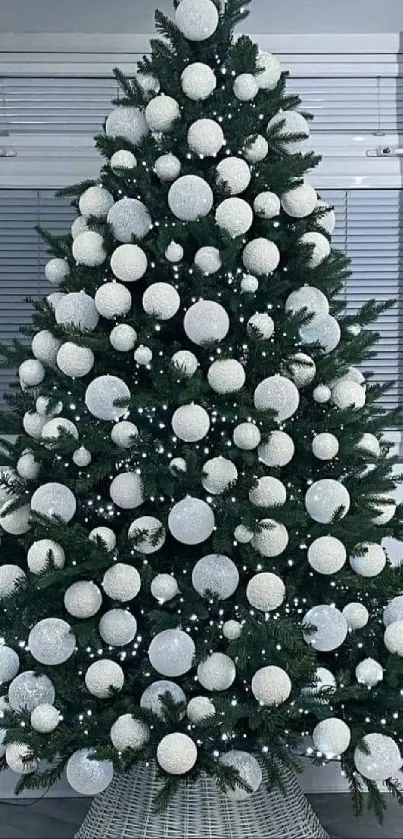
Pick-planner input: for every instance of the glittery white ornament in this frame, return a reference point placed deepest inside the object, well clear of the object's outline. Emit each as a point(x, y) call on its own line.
point(56, 270)
point(54, 499)
point(185, 362)
point(217, 672)
point(246, 436)
point(29, 690)
point(171, 652)
point(331, 628)
point(45, 347)
point(218, 475)
point(124, 433)
point(356, 615)
point(328, 220)
point(46, 407)
point(321, 248)
point(261, 325)
point(348, 394)
point(27, 467)
point(129, 263)
point(174, 252)
point(302, 368)
point(55, 428)
point(249, 772)
point(327, 555)
point(324, 498)
point(121, 582)
point(226, 376)
point(167, 167)
point(126, 490)
point(148, 83)
point(11, 576)
point(291, 122)
point(323, 330)
point(16, 758)
point(269, 71)
point(233, 173)
point(129, 733)
point(256, 149)
point(331, 737)
point(143, 355)
point(149, 544)
point(153, 696)
point(9, 664)
point(112, 300)
point(198, 81)
point(95, 201)
point(106, 535)
point(161, 113)
point(41, 552)
point(265, 592)
point(51, 641)
point(79, 226)
point(369, 672)
point(77, 309)
point(369, 443)
point(176, 752)
point(261, 257)
point(242, 534)
point(205, 137)
point(83, 599)
point(103, 677)
point(190, 198)
point(208, 260)
point(323, 679)
point(206, 321)
point(87, 775)
point(123, 337)
point(267, 205)
point(117, 627)
point(249, 284)
point(53, 299)
point(127, 122)
point(325, 446)
point(216, 574)
point(299, 202)
point(268, 492)
point(123, 159)
point(385, 507)
point(393, 638)
point(191, 521)
point(371, 563)
point(45, 718)
point(129, 217)
point(278, 394)
point(383, 760)
point(394, 610)
point(246, 87)
point(278, 451)
point(190, 423)
point(177, 466)
point(271, 685)
point(164, 588)
point(75, 361)
point(272, 539)
point(16, 522)
point(161, 300)
point(31, 372)
point(200, 708)
point(88, 249)
point(101, 395)
point(309, 298)
point(196, 19)
point(322, 394)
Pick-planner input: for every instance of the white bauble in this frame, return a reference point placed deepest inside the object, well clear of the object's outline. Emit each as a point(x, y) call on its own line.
point(199, 709)
point(151, 526)
point(320, 249)
point(83, 599)
point(162, 112)
point(205, 137)
point(393, 638)
point(185, 362)
point(322, 394)
point(356, 615)
point(323, 679)
point(77, 309)
point(31, 372)
point(291, 122)
point(177, 466)
point(324, 498)
point(17, 755)
point(106, 535)
point(47, 408)
point(51, 641)
point(123, 337)
point(117, 627)
point(126, 490)
point(269, 71)
point(197, 19)
point(149, 84)
point(123, 159)
point(325, 446)
point(249, 284)
point(53, 299)
point(232, 630)
point(208, 260)
point(171, 652)
point(87, 775)
point(55, 428)
point(243, 534)
point(309, 298)
point(101, 395)
point(226, 376)
point(206, 322)
point(394, 610)
point(246, 436)
point(271, 685)
point(369, 672)
point(164, 588)
point(121, 582)
point(9, 664)
point(327, 555)
point(174, 252)
point(129, 733)
point(82, 457)
point(267, 205)
point(249, 772)
point(127, 122)
point(323, 330)
point(328, 220)
point(261, 257)
point(79, 226)
point(191, 521)
point(41, 552)
point(331, 628)
point(161, 300)
point(385, 511)
point(348, 394)
point(45, 347)
point(56, 270)
point(143, 355)
point(299, 202)
point(278, 451)
point(265, 592)
point(198, 81)
point(369, 443)
point(217, 672)
point(54, 499)
point(124, 433)
point(302, 368)
point(216, 574)
point(218, 475)
point(11, 576)
point(190, 197)
point(75, 361)
point(278, 394)
point(256, 149)
point(272, 539)
point(16, 522)
point(233, 173)
point(381, 760)
point(176, 752)
point(190, 423)
point(45, 718)
point(129, 263)
point(103, 677)
point(245, 87)
point(95, 201)
point(167, 167)
point(261, 325)
point(268, 492)
point(153, 696)
point(371, 563)
point(27, 467)
point(88, 249)
point(129, 217)
point(29, 690)
point(331, 737)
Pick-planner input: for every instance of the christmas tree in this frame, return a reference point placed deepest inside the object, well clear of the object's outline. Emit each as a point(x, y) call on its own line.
point(198, 485)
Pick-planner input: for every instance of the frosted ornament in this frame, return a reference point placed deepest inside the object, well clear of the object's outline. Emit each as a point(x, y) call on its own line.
point(176, 752)
point(321, 248)
point(190, 197)
point(87, 775)
point(45, 718)
point(51, 641)
point(56, 270)
point(348, 394)
point(323, 679)
point(369, 443)
point(328, 220)
point(233, 173)
point(126, 490)
point(129, 733)
point(11, 576)
point(161, 301)
point(45, 347)
point(356, 615)
point(177, 466)
point(16, 758)
point(123, 159)
point(206, 322)
point(246, 436)
point(267, 205)
point(54, 429)
point(79, 226)
point(205, 137)
point(121, 582)
point(261, 257)
point(271, 686)
point(149, 544)
point(143, 355)
point(197, 19)
point(106, 535)
point(278, 394)
point(53, 299)
point(148, 83)
point(322, 394)
point(129, 263)
point(198, 81)
point(309, 298)
point(95, 201)
point(161, 113)
point(174, 252)
point(299, 202)
point(46, 408)
point(199, 709)
point(323, 330)
point(324, 498)
point(54, 499)
point(385, 511)
point(331, 737)
point(129, 217)
point(83, 599)
point(217, 672)
point(185, 362)
point(331, 628)
point(29, 690)
point(291, 123)
point(371, 563)
point(327, 555)
point(123, 337)
point(153, 696)
point(271, 540)
point(245, 87)
point(124, 433)
point(103, 677)
point(393, 638)
point(117, 627)
point(256, 150)
point(218, 475)
point(164, 588)
point(278, 451)
point(383, 761)
point(15, 522)
point(167, 167)
point(127, 122)
point(269, 71)
point(191, 521)
point(102, 394)
point(369, 672)
point(302, 368)
point(226, 376)
point(88, 249)
point(242, 534)
point(41, 552)
point(232, 630)
point(216, 574)
point(265, 592)
point(325, 446)
point(208, 260)
point(77, 309)
point(31, 372)
point(27, 467)
point(9, 664)
point(171, 652)
point(268, 492)
point(393, 611)
point(261, 326)
point(75, 361)
point(249, 771)
point(190, 423)
point(249, 284)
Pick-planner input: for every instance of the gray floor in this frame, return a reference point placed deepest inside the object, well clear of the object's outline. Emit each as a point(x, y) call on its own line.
point(58, 818)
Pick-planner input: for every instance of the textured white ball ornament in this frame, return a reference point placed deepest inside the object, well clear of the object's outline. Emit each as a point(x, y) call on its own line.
point(299, 202)
point(124, 433)
point(261, 256)
point(75, 361)
point(143, 355)
point(278, 451)
point(261, 325)
point(56, 270)
point(348, 394)
point(325, 446)
point(117, 627)
point(394, 610)
point(291, 123)
point(27, 467)
point(321, 248)
point(217, 574)
point(88, 249)
point(17, 755)
point(233, 173)
point(79, 226)
point(309, 298)
point(129, 733)
point(53, 299)
point(369, 672)
point(190, 198)
point(356, 615)
point(129, 263)
point(101, 395)
point(31, 372)
point(106, 535)
point(123, 159)
point(54, 499)
point(121, 582)
point(11, 576)
point(226, 376)
point(276, 393)
point(205, 322)
point(15, 522)
point(323, 678)
point(45, 718)
point(324, 498)
point(322, 394)
point(218, 475)
point(246, 87)
point(123, 337)
point(198, 81)
point(267, 205)
point(232, 630)
point(129, 217)
point(185, 362)
point(302, 368)
point(83, 599)
point(86, 775)
point(208, 260)
point(103, 676)
point(112, 300)
point(164, 588)
point(196, 19)
point(148, 83)
point(369, 443)
point(271, 685)
point(272, 539)
point(126, 490)
point(167, 167)
point(393, 637)
point(153, 696)
point(256, 149)
point(77, 309)
point(205, 137)
point(200, 708)
point(171, 652)
point(331, 737)
point(383, 761)
point(191, 521)
point(51, 641)
point(268, 492)
point(127, 122)
point(95, 201)
point(41, 552)
point(45, 347)
point(327, 555)
point(249, 772)
point(331, 628)
point(161, 113)
point(151, 526)
point(269, 71)
point(9, 664)
point(371, 563)
point(176, 752)
point(323, 330)
point(29, 690)
point(217, 672)
point(174, 252)
point(328, 220)
point(161, 300)
point(190, 423)
point(265, 592)
point(177, 465)
point(242, 534)
point(246, 436)
point(53, 429)
point(249, 284)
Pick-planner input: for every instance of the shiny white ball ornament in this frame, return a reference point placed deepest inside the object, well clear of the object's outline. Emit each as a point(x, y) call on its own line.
point(233, 173)
point(320, 248)
point(11, 576)
point(56, 270)
point(278, 394)
point(268, 492)
point(45, 718)
point(205, 322)
point(171, 652)
point(161, 300)
point(267, 205)
point(327, 555)
point(348, 394)
point(164, 588)
point(54, 429)
point(324, 497)
point(217, 672)
point(126, 490)
point(167, 167)
point(331, 737)
point(77, 309)
point(246, 436)
point(51, 641)
point(249, 284)
point(261, 256)
point(176, 752)
point(385, 510)
point(75, 361)
point(393, 638)
point(232, 630)
point(16, 522)
point(323, 330)
point(150, 525)
point(101, 395)
point(278, 451)
point(208, 260)
point(83, 599)
point(127, 122)
point(45, 347)
point(190, 423)
point(191, 521)
point(216, 574)
point(322, 394)
point(19, 758)
point(149, 84)
point(121, 582)
point(256, 149)
point(265, 592)
point(302, 368)
point(272, 538)
point(95, 201)
point(356, 615)
point(29, 690)
point(123, 159)
point(123, 337)
point(124, 433)
point(174, 252)
point(129, 217)
point(369, 443)
point(371, 562)
point(129, 263)
point(369, 672)
point(245, 87)
point(309, 298)
point(290, 122)
point(113, 300)
point(143, 355)
point(200, 708)
point(382, 759)
point(197, 19)
point(117, 627)
point(218, 475)
point(299, 202)
point(87, 775)
point(79, 226)
point(323, 679)
point(325, 446)
point(153, 696)
point(88, 249)
point(54, 499)
point(42, 552)
point(261, 325)
point(31, 372)
point(205, 137)
point(271, 686)
point(198, 81)
point(9, 664)
point(129, 733)
point(226, 376)
point(328, 220)
point(249, 772)
point(243, 534)
point(103, 677)
point(269, 71)
point(106, 535)
point(161, 113)
point(185, 362)
point(331, 628)
point(394, 610)
point(27, 467)
point(190, 197)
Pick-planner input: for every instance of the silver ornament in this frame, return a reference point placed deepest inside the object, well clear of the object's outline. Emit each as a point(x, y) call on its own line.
point(51, 641)
point(171, 652)
point(331, 628)
point(191, 521)
point(356, 615)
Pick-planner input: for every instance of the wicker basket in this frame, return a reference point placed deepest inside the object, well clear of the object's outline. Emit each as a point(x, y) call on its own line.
point(125, 811)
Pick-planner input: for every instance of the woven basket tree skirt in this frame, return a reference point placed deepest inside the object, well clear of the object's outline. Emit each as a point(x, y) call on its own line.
point(198, 811)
